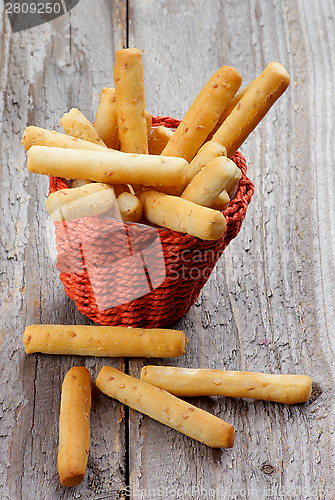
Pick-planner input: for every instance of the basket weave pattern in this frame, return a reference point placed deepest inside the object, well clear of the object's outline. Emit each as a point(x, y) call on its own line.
point(101, 262)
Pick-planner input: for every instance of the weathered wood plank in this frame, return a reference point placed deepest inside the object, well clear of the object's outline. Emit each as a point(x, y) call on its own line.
point(268, 305)
point(46, 71)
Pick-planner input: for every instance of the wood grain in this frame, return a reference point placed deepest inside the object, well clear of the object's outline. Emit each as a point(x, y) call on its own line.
point(46, 71)
point(269, 303)
point(264, 308)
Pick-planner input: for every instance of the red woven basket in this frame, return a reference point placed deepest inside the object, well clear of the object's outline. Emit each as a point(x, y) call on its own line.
point(137, 275)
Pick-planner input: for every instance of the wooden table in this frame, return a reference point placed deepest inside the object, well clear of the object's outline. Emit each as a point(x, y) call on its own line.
point(268, 305)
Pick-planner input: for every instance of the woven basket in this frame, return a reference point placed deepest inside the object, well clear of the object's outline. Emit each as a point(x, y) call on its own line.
point(137, 275)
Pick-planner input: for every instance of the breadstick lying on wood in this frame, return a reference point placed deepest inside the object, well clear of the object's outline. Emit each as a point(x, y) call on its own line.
point(289, 389)
point(86, 201)
point(37, 136)
point(203, 114)
point(182, 215)
point(166, 408)
point(212, 179)
point(109, 341)
point(105, 121)
point(130, 102)
point(74, 426)
point(108, 166)
point(256, 102)
point(75, 124)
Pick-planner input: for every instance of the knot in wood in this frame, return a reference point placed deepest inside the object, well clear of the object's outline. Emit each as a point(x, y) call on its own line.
point(267, 468)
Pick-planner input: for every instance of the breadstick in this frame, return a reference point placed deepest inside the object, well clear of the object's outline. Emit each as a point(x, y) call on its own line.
point(182, 215)
point(74, 426)
point(75, 124)
point(206, 153)
point(253, 106)
point(148, 120)
point(130, 207)
point(289, 389)
point(79, 182)
point(166, 408)
point(203, 114)
point(235, 100)
point(120, 188)
point(109, 341)
point(37, 136)
point(105, 121)
point(221, 202)
point(85, 201)
point(109, 166)
point(212, 179)
point(130, 102)
point(232, 184)
point(159, 138)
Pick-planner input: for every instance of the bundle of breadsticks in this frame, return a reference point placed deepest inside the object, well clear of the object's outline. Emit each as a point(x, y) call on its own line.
point(124, 168)
point(157, 393)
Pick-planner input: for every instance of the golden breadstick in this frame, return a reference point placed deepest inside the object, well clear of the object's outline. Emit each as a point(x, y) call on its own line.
point(182, 215)
point(37, 136)
point(120, 188)
point(105, 121)
point(287, 389)
point(235, 100)
point(166, 408)
point(256, 102)
point(130, 102)
point(232, 184)
point(75, 124)
point(221, 202)
point(148, 120)
point(212, 179)
point(110, 341)
point(85, 201)
point(159, 138)
point(76, 183)
point(206, 153)
point(130, 207)
point(203, 114)
point(74, 426)
point(109, 166)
